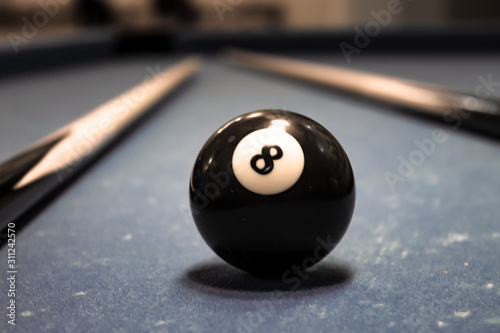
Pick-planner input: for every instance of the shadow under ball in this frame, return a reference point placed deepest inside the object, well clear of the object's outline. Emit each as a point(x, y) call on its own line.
point(272, 191)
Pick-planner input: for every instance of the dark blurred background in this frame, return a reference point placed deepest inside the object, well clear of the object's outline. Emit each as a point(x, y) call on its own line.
point(140, 15)
point(227, 14)
point(149, 24)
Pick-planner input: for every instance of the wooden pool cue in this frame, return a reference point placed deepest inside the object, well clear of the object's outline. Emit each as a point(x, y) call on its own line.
point(457, 109)
point(33, 174)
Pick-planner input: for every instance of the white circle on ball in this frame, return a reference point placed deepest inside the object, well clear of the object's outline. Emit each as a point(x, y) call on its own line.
point(268, 161)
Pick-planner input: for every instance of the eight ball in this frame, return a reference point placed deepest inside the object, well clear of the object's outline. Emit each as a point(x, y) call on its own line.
point(271, 190)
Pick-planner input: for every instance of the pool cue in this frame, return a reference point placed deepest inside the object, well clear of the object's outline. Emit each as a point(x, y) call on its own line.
point(30, 176)
point(458, 109)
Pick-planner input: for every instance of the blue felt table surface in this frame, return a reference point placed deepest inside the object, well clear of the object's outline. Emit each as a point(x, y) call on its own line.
point(118, 250)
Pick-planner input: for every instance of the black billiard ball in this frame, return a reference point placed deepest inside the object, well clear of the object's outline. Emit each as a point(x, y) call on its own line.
point(271, 191)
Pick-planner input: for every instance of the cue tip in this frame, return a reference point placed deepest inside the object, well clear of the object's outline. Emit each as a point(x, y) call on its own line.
point(191, 64)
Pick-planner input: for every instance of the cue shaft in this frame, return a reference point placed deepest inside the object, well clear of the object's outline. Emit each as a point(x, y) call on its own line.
point(31, 175)
point(475, 113)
